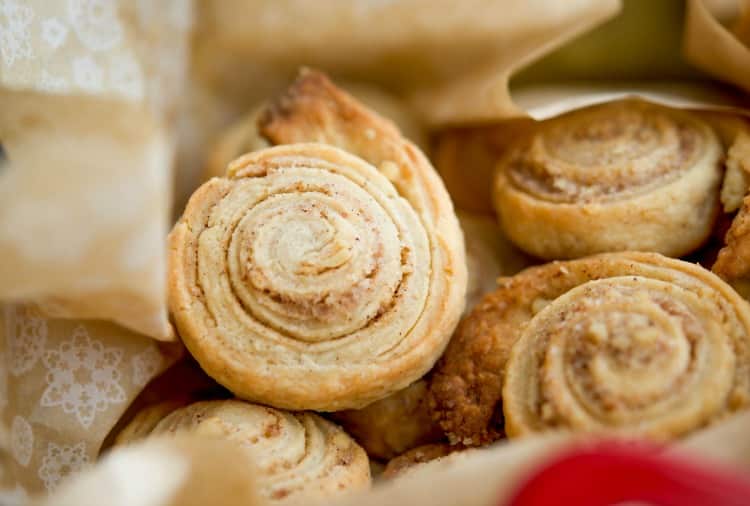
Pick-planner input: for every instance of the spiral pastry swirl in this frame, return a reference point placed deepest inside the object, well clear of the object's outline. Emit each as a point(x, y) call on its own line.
point(297, 454)
point(632, 342)
point(625, 175)
point(145, 419)
point(306, 278)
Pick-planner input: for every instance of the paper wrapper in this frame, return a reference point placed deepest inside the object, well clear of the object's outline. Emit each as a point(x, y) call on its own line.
point(63, 385)
point(660, 51)
point(455, 59)
point(87, 90)
point(187, 471)
point(668, 60)
point(405, 45)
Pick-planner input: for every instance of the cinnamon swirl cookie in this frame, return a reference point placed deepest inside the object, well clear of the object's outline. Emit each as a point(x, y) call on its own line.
point(244, 135)
point(325, 272)
point(297, 454)
point(625, 175)
point(733, 261)
point(632, 342)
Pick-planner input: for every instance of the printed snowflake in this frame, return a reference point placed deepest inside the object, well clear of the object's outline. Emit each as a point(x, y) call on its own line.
point(26, 334)
point(82, 377)
point(126, 76)
point(96, 23)
point(54, 32)
point(61, 461)
point(146, 365)
point(87, 74)
point(21, 441)
point(51, 83)
point(15, 37)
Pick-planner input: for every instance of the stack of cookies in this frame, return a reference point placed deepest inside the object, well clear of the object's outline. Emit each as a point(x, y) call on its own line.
point(320, 274)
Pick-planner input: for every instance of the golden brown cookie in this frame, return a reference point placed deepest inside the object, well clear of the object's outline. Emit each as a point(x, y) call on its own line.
point(298, 455)
point(179, 385)
point(734, 133)
point(391, 426)
point(633, 342)
point(326, 272)
point(144, 421)
point(733, 261)
point(421, 455)
point(244, 135)
point(621, 176)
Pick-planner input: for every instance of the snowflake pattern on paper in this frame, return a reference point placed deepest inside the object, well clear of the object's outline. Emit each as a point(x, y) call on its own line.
point(61, 461)
point(54, 32)
point(87, 74)
point(26, 334)
point(51, 83)
point(83, 377)
point(21, 441)
point(15, 36)
point(126, 76)
point(96, 23)
point(146, 365)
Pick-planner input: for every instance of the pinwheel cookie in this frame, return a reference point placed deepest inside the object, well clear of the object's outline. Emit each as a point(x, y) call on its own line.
point(298, 455)
point(244, 135)
point(621, 176)
point(733, 262)
point(631, 342)
point(325, 272)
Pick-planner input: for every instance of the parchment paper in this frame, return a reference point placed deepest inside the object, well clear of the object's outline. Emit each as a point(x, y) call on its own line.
point(63, 385)
point(87, 92)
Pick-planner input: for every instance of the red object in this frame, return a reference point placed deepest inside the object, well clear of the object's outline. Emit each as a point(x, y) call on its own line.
point(614, 472)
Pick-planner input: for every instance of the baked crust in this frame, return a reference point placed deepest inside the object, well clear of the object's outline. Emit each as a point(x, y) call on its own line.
point(632, 342)
point(326, 272)
point(297, 455)
point(621, 176)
